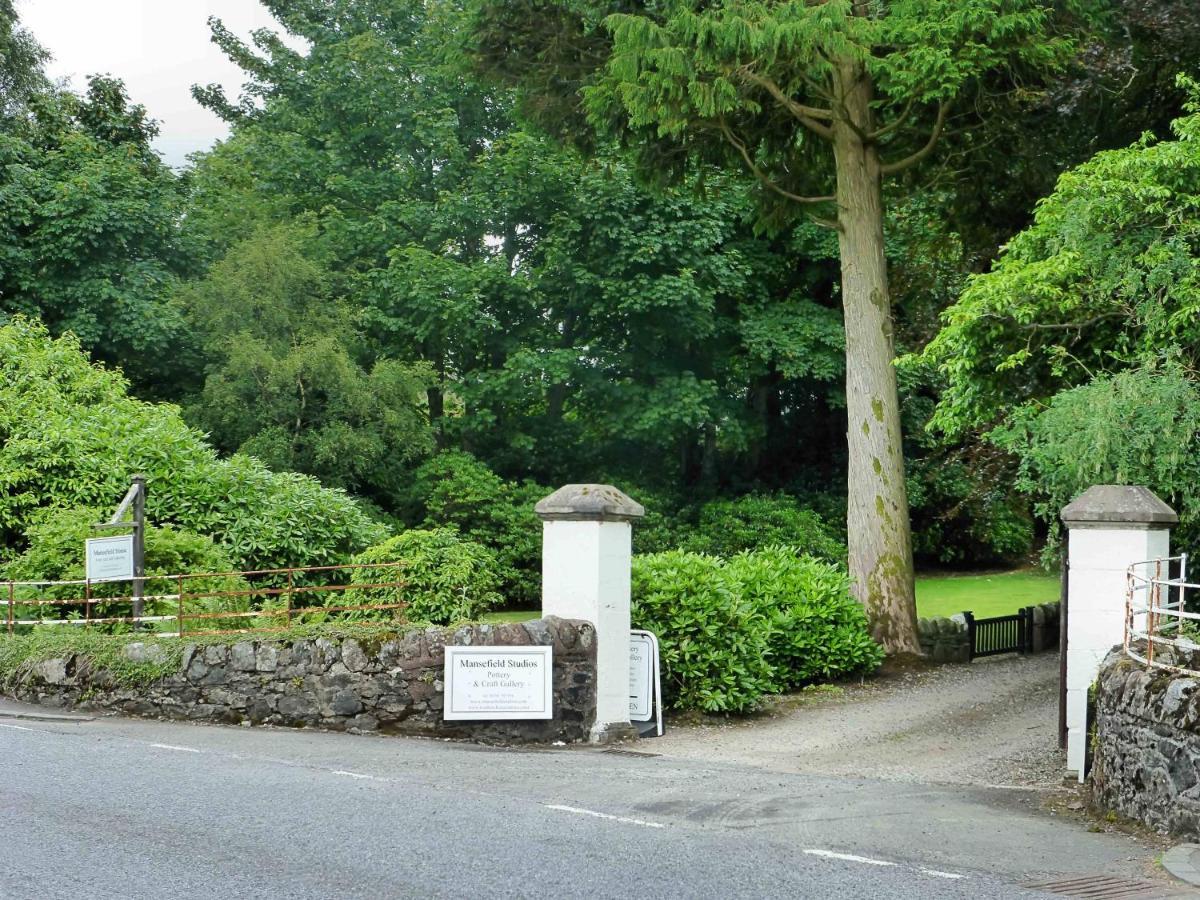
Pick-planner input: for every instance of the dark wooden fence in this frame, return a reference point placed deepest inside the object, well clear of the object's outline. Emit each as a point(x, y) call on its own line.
point(1001, 634)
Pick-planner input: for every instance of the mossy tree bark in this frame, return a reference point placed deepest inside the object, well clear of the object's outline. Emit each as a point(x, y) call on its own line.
point(879, 534)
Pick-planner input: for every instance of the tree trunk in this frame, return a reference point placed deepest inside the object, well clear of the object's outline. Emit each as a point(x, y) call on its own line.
point(880, 540)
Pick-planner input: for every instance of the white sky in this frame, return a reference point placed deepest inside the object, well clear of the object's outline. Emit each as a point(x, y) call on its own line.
point(160, 48)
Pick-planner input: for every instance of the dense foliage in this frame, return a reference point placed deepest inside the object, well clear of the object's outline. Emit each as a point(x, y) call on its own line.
point(453, 256)
point(89, 238)
point(732, 631)
point(1078, 351)
point(817, 632)
point(71, 436)
point(455, 489)
point(713, 641)
point(1136, 427)
point(444, 578)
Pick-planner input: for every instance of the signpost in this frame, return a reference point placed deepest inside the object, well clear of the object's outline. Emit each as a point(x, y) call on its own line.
point(135, 497)
point(499, 683)
point(645, 682)
point(110, 558)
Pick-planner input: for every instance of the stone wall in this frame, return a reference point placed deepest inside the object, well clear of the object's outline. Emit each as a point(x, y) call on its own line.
point(393, 686)
point(1146, 751)
point(945, 640)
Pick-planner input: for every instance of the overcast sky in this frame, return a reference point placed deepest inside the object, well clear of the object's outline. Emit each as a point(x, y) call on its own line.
point(160, 48)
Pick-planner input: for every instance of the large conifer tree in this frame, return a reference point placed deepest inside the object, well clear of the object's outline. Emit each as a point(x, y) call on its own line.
point(821, 100)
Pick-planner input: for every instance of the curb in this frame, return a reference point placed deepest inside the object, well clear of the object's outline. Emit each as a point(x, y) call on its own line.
point(1183, 861)
point(43, 717)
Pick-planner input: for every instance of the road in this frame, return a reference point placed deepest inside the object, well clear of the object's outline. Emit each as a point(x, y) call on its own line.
point(128, 808)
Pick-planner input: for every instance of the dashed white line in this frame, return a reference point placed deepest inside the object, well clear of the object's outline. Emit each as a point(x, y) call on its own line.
point(849, 857)
point(355, 775)
point(624, 820)
point(17, 727)
point(868, 861)
point(936, 874)
point(176, 747)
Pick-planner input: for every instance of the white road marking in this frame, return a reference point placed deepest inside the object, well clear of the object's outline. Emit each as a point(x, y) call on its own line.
point(936, 874)
point(355, 775)
point(176, 747)
point(866, 860)
point(625, 820)
point(17, 727)
point(849, 857)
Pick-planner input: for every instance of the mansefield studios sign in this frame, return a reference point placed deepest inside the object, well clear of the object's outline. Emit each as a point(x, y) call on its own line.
point(499, 683)
point(109, 558)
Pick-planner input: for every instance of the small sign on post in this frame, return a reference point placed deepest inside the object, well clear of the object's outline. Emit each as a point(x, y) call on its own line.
point(110, 558)
point(499, 683)
point(645, 681)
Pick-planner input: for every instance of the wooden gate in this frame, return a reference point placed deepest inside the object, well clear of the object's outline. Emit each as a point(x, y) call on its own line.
point(1000, 634)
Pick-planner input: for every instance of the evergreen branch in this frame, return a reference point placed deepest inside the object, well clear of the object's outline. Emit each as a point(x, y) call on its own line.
point(806, 115)
point(762, 176)
point(896, 123)
point(912, 159)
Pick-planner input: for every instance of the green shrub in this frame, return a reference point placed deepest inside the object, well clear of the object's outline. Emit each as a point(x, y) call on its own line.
point(726, 527)
point(714, 643)
point(56, 553)
point(818, 631)
point(70, 436)
point(455, 489)
point(762, 622)
point(446, 577)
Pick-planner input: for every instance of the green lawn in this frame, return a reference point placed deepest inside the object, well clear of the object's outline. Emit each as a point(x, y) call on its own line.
point(939, 595)
point(985, 595)
point(520, 615)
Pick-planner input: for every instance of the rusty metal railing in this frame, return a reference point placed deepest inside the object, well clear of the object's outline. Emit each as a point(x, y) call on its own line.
point(1156, 614)
point(264, 599)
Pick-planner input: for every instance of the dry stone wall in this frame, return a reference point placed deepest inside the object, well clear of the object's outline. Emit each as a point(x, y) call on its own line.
point(1146, 762)
point(393, 686)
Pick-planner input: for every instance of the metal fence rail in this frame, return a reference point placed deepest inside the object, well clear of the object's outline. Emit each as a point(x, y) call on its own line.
point(230, 602)
point(1156, 613)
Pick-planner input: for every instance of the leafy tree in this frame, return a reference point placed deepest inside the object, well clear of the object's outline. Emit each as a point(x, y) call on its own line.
point(572, 319)
point(1141, 426)
point(821, 102)
point(71, 436)
point(284, 380)
point(21, 62)
point(89, 238)
point(1106, 278)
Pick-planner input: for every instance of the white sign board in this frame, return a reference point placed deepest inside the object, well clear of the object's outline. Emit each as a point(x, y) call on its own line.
point(641, 677)
point(499, 683)
point(110, 558)
point(645, 682)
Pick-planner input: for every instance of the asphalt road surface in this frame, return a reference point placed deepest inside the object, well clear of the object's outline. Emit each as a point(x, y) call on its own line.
point(125, 808)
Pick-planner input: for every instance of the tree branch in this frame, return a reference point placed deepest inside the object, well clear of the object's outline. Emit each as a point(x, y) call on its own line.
point(898, 122)
point(762, 176)
point(806, 115)
point(911, 160)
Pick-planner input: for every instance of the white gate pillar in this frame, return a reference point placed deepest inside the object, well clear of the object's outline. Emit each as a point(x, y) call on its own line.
point(1109, 528)
point(586, 557)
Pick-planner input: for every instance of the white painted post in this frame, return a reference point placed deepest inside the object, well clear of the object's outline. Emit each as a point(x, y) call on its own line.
point(1109, 528)
point(586, 557)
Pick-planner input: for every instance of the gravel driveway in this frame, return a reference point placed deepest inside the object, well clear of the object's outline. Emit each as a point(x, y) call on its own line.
point(993, 722)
